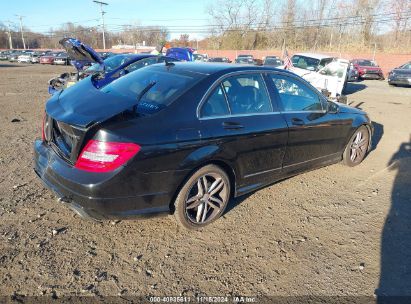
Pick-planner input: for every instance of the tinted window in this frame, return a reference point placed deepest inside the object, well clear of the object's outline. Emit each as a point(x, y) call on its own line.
point(296, 96)
point(306, 63)
point(216, 104)
point(141, 63)
point(153, 86)
point(247, 94)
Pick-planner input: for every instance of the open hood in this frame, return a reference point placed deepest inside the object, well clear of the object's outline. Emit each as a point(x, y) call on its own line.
point(80, 54)
point(331, 77)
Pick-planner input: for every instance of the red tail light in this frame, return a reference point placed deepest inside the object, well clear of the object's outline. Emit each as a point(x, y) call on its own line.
point(99, 156)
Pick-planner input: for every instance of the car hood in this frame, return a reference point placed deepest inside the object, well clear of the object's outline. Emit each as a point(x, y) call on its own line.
point(80, 53)
point(343, 108)
point(83, 105)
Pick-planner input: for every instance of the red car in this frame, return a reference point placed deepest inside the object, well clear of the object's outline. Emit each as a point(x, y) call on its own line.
point(49, 58)
point(367, 69)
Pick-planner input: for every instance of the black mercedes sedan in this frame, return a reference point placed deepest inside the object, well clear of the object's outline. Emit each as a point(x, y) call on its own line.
point(400, 75)
point(185, 138)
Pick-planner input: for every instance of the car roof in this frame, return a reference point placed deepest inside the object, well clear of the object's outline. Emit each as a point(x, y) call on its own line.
point(210, 68)
point(315, 55)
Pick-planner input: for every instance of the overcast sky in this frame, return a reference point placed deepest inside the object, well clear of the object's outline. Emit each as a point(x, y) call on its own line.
point(177, 15)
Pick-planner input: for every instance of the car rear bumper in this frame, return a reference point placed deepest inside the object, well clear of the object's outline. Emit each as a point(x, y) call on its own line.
point(87, 193)
point(372, 76)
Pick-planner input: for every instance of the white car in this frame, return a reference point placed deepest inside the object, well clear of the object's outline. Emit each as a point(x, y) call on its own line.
point(26, 58)
point(324, 72)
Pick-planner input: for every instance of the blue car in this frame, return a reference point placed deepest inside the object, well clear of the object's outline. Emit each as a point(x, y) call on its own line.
point(103, 71)
point(183, 54)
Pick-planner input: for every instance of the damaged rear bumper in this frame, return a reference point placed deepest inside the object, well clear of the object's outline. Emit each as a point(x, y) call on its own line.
point(85, 192)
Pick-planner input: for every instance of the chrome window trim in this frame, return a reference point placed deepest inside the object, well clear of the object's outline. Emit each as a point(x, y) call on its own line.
point(220, 79)
point(239, 115)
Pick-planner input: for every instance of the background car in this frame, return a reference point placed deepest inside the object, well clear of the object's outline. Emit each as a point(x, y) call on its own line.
point(61, 59)
point(13, 56)
point(273, 61)
point(400, 75)
point(219, 59)
point(244, 59)
point(185, 138)
point(88, 62)
point(367, 69)
point(24, 58)
point(182, 54)
point(48, 58)
point(4, 55)
point(35, 57)
point(200, 57)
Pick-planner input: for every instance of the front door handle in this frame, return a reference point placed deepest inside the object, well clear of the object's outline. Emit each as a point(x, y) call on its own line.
point(297, 122)
point(229, 125)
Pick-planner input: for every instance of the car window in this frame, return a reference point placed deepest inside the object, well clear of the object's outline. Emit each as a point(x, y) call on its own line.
point(154, 87)
point(306, 63)
point(247, 94)
point(216, 104)
point(295, 95)
point(141, 63)
point(324, 62)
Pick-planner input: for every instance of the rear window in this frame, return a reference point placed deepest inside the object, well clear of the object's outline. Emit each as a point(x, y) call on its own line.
point(306, 63)
point(155, 88)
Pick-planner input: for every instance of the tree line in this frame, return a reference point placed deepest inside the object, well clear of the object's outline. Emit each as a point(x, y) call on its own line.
point(335, 25)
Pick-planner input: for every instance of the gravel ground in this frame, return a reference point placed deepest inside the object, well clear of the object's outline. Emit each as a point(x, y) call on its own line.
point(333, 231)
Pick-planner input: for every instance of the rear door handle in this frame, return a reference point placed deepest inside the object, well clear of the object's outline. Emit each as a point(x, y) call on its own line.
point(229, 125)
point(297, 122)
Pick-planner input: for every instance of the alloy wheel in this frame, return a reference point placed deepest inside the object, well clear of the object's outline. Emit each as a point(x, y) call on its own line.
point(359, 146)
point(206, 198)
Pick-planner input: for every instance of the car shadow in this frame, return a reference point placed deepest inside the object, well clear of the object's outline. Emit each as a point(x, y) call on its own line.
point(353, 87)
point(378, 133)
point(234, 202)
point(5, 65)
point(395, 276)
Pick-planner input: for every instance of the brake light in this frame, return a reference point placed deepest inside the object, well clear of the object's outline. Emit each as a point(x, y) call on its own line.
point(99, 156)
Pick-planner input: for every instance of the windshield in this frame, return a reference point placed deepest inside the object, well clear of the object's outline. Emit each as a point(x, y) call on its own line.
point(198, 57)
point(273, 61)
point(366, 63)
point(110, 63)
point(306, 63)
point(406, 66)
point(154, 87)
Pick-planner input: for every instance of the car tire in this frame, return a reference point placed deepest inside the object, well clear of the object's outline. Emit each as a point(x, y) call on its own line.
point(357, 147)
point(203, 198)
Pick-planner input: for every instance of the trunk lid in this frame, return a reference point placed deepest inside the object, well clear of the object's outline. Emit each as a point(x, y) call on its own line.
point(83, 105)
point(73, 112)
point(80, 53)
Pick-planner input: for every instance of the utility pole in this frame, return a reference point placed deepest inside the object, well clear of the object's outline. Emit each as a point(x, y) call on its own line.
point(9, 32)
point(21, 30)
point(102, 18)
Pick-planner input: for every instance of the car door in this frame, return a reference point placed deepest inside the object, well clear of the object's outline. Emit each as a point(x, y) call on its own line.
point(316, 135)
point(247, 127)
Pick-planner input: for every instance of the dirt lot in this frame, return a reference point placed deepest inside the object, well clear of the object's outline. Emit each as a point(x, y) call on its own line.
point(325, 232)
